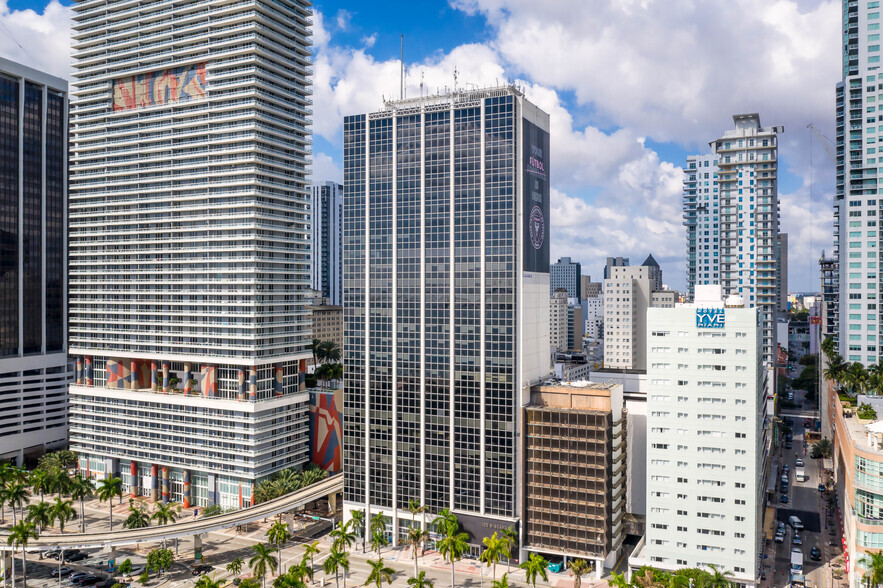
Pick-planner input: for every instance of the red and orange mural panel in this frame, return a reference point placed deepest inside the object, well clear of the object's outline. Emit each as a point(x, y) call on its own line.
point(326, 429)
point(160, 87)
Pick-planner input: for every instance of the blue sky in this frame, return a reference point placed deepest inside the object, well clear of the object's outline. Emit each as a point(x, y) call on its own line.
point(632, 86)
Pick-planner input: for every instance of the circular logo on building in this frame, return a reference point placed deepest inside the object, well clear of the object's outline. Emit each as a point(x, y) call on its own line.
point(537, 227)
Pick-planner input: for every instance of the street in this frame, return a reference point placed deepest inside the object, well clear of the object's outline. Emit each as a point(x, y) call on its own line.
point(808, 504)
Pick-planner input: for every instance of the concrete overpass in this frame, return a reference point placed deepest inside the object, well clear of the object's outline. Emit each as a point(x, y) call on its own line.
point(195, 527)
point(799, 414)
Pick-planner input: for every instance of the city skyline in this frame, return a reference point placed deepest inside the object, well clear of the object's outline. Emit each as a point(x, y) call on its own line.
point(616, 164)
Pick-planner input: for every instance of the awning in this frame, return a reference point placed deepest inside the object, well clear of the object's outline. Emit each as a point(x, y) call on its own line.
point(769, 523)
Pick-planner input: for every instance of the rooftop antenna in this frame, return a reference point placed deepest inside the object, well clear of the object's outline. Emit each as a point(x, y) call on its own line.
point(402, 74)
point(421, 84)
point(455, 79)
point(406, 87)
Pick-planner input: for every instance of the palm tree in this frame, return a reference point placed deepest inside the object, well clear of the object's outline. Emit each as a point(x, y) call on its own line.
point(278, 534)
point(59, 481)
point(836, 368)
point(303, 569)
point(535, 566)
point(378, 532)
point(453, 544)
point(358, 522)
point(502, 582)
point(17, 495)
point(415, 508)
point(314, 347)
point(323, 372)
point(718, 578)
point(495, 547)
point(311, 549)
point(107, 489)
point(41, 482)
point(337, 560)
point(421, 581)
point(416, 537)
point(578, 568)
point(62, 511)
point(380, 573)
point(444, 521)
point(510, 536)
point(40, 515)
point(618, 580)
point(81, 489)
point(342, 538)
point(235, 567)
point(824, 446)
point(138, 517)
point(329, 351)
point(206, 582)
point(873, 564)
point(262, 560)
point(164, 515)
point(20, 534)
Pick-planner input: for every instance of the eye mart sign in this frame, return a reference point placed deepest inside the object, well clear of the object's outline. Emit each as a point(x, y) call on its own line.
point(710, 318)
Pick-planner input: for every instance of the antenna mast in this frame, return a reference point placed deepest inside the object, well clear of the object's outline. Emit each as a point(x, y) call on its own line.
point(402, 73)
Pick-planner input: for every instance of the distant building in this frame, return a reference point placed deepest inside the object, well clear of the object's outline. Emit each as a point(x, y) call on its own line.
point(558, 315)
point(613, 262)
point(830, 276)
point(327, 260)
point(588, 288)
point(571, 371)
point(575, 497)
point(576, 326)
point(34, 368)
point(566, 274)
point(328, 323)
point(707, 438)
point(627, 296)
point(593, 317)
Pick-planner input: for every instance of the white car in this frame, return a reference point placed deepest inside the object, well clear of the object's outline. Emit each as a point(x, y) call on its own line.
point(799, 463)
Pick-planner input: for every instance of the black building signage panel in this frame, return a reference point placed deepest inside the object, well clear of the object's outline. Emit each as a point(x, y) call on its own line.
point(536, 198)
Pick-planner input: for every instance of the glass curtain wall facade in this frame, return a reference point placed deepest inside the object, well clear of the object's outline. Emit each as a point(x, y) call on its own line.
point(190, 235)
point(34, 370)
point(327, 263)
point(431, 305)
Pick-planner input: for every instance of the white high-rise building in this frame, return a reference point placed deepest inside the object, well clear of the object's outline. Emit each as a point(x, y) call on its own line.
point(34, 372)
point(190, 243)
point(707, 441)
point(731, 211)
point(327, 262)
point(857, 200)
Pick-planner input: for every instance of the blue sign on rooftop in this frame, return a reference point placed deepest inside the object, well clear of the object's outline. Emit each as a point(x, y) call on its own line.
point(710, 318)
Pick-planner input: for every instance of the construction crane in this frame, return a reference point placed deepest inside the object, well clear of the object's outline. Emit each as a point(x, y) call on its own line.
point(826, 146)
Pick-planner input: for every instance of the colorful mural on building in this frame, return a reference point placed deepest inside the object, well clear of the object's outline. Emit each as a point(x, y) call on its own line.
point(326, 429)
point(157, 88)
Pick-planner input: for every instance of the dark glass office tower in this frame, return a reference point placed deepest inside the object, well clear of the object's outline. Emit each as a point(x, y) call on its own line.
point(446, 303)
point(33, 270)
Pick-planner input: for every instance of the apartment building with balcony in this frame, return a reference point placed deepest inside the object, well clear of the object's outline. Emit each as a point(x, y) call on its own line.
point(190, 243)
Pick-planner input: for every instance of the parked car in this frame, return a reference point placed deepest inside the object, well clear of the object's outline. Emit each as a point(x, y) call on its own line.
point(787, 445)
point(785, 468)
point(76, 556)
point(76, 576)
point(796, 540)
point(815, 554)
point(799, 463)
point(795, 523)
point(88, 580)
point(52, 553)
point(60, 572)
point(780, 528)
point(821, 487)
point(780, 537)
point(783, 499)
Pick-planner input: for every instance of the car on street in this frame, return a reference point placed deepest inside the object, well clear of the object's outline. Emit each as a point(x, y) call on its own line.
point(787, 445)
point(795, 523)
point(796, 540)
point(201, 569)
point(821, 487)
point(88, 580)
point(785, 468)
point(815, 554)
point(783, 499)
point(780, 537)
point(52, 553)
point(780, 528)
point(78, 556)
point(60, 572)
point(76, 576)
point(799, 463)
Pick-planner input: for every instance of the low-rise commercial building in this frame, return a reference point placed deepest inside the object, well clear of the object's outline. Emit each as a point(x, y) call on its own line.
point(575, 471)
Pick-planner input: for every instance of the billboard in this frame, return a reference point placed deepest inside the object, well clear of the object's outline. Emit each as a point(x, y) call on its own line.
point(156, 88)
point(535, 163)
